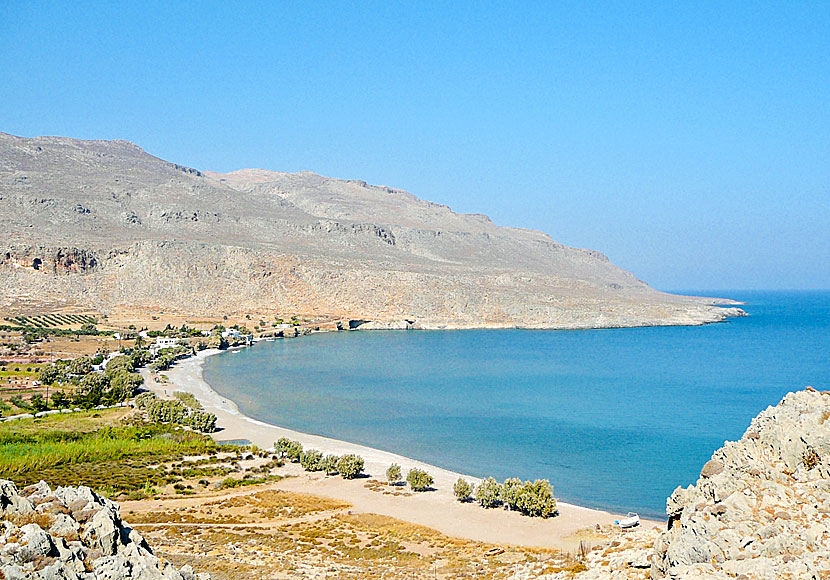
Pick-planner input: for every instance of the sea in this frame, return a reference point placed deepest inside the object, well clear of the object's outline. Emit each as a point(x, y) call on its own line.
point(615, 419)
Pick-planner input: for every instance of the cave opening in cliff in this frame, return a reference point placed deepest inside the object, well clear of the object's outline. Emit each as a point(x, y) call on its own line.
point(37, 263)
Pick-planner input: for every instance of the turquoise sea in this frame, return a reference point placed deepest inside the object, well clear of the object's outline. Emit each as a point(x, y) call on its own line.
point(615, 419)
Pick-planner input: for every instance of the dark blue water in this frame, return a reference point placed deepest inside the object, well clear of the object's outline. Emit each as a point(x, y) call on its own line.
point(615, 419)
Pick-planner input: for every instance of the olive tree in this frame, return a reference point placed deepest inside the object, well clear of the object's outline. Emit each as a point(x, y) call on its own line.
point(418, 479)
point(536, 499)
point(462, 489)
point(311, 460)
point(488, 493)
point(393, 474)
point(510, 490)
point(289, 449)
point(350, 466)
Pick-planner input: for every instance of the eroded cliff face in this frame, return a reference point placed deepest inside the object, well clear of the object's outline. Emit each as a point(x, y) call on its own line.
point(105, 225)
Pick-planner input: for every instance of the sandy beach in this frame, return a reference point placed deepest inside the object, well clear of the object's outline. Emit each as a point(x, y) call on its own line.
point(436, 509)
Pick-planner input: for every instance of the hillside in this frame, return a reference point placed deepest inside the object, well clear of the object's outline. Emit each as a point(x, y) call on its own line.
point(105, 225)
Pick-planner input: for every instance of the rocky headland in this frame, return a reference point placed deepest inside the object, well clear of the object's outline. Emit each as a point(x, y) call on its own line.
point(105, 226)
point(72, 533)
point(759, 511)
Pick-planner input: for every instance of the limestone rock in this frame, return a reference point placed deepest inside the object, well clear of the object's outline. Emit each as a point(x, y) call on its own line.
point(112, 549)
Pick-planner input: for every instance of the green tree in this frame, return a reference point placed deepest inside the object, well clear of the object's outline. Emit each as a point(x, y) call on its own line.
point(488, 493)
point(59, 400)
point(418, 479)
point(329, 465)
point(80, 366)
point(289, 449)
point(393, 474)
point(350, 466)
point(311, 460)
point(536, 499)
point(38, 403)
point(510, 491)
point(50, 374)
point(462, 489)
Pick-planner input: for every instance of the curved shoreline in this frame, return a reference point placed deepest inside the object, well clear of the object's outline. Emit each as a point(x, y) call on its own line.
point(439, 509)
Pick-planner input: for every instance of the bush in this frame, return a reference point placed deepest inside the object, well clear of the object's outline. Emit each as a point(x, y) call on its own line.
point(50, 374)
point(393, 473)
point(462, 489)
point(201, 421)
point(289, 449)
point(167, 411)
point(144, 400)
point(510, 491)
point(38, 403)
point(80, 366)
point(536, 499)
point(59, 400)
point(350, 466)
point(418, 479)
point(488, 493)
point(329, 464)
point(311, 460)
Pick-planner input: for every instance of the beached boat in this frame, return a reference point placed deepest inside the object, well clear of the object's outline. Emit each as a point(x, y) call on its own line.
point(632, 520)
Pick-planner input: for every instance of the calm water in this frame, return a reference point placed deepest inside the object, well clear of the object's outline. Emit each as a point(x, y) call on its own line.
point(615, 419)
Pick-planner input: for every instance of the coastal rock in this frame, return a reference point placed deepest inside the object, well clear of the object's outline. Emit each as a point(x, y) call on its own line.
point(757, 508)
point(105, 549)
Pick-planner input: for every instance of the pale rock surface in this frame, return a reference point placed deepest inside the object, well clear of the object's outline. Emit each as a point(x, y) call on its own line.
point(86, 532)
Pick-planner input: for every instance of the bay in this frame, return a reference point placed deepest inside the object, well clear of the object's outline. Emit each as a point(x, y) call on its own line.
point(614, 418)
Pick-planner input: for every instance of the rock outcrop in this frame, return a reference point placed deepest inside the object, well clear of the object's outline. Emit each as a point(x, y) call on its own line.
point(106, 226)
point(761, 508)
point(71, 533)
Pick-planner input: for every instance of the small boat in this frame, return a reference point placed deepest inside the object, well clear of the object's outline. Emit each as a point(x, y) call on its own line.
point(632, 520)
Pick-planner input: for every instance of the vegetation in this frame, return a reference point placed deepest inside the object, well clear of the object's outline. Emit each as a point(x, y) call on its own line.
point(311, 460)
point(350, 466)
point(393, 473)
point(488, 493)
point(289, 449)
point(418, 479)
point(329, 464)
point(462, 489)
point(536, 499)
point(510, 491)
point(94, 449)
point(175, 412)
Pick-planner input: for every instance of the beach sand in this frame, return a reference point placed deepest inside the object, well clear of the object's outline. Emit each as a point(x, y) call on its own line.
point(436, 509)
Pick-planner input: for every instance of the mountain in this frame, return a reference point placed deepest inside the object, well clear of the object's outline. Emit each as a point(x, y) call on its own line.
point(107, 226)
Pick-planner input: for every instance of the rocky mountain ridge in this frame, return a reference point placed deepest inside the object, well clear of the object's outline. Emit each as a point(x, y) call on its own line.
point(105, 225)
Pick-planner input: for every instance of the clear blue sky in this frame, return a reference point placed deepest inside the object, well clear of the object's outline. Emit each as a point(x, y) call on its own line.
point(690, 143)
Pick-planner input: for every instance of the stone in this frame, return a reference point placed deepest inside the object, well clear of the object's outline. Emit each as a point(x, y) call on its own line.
point(712, 467)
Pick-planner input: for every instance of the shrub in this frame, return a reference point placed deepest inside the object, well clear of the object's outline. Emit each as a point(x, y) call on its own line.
point(167, 411)
point(38, 403)
point(510, 491)
point(536, 499)
point(488, 493)
point(350, 466)
point(59, 400)
point(311, 460)
point(289, 449)
point(329, 464)
point(393, 473)
point(462, 489)
point(50, 374)
point(80, 366)
point(201, 421)
point(143, 400)
point(418, 479)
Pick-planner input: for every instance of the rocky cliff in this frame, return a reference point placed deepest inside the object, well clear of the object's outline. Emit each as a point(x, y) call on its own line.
point(105, 225)
point(761, 507)
point(71, 533)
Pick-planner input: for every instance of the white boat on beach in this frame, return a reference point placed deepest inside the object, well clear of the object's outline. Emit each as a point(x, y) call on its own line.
point(631, 520)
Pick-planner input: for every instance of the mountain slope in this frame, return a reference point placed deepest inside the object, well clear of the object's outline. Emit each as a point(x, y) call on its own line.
point(106, 225)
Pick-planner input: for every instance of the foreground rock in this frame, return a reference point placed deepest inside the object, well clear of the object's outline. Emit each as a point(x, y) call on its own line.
point(71, 533)
point(761, 508)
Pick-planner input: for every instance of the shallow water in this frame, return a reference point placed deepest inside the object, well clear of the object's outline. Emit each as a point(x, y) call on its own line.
point(615, 419)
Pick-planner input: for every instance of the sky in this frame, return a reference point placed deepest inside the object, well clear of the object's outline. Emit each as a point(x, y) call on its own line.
point(690, 142)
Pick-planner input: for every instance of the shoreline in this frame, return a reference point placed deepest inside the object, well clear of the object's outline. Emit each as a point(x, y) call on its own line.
point(437, 509)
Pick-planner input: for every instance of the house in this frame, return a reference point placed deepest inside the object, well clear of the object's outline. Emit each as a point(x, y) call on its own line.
point(163, 342)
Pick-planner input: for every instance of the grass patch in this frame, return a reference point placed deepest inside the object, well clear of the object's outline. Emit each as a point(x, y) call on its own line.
point(96, 449)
